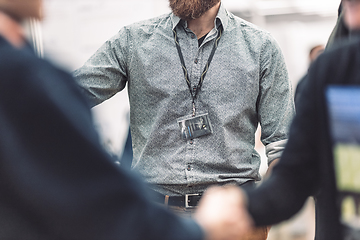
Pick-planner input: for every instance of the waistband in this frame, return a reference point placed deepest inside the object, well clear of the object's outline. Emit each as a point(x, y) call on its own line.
point(188, 200)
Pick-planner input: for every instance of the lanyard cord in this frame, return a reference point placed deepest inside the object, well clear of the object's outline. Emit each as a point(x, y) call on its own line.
point(186, 74)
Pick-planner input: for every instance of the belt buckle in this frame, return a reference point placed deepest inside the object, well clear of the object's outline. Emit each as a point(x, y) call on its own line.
point(187, 199)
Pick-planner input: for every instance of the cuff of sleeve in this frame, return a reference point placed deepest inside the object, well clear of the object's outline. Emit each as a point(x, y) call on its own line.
point(275, 149)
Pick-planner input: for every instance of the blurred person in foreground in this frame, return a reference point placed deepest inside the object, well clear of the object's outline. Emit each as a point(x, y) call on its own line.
point(200, 81)
point(340, 32)
point(56, 181)
point(322, 154)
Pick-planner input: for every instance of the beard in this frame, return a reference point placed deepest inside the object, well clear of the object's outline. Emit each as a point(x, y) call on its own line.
point(191, 9)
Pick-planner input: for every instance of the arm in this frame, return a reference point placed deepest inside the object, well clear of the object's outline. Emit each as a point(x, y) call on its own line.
point(56, 180)
point(105, 73)
point(275, 102)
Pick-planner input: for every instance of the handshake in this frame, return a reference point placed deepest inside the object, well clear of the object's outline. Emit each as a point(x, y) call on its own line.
point(222, 213)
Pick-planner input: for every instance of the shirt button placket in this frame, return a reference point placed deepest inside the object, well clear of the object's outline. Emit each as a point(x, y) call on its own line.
point(196, 71)
point(189, 161)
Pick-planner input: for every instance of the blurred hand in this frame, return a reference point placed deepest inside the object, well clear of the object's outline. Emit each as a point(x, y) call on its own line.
point(222, 213)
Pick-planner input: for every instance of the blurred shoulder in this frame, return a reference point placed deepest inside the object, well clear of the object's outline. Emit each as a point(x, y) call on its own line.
point(148, 25)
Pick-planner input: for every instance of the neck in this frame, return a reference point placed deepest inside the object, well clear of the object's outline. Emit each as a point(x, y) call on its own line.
point(11, 30)
point(202, 25)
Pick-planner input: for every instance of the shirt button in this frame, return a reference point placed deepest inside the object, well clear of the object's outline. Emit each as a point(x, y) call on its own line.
point(193, 36)
point(196, 61)
point(189, 167)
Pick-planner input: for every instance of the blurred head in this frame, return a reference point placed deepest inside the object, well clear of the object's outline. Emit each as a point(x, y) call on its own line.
point(351, 10)
point(22, 9)
point(191, 9)
point(315, 52)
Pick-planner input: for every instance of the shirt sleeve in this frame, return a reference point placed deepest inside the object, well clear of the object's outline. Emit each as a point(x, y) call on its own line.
point(105, 73)
point(274, 150)
point(275, 102)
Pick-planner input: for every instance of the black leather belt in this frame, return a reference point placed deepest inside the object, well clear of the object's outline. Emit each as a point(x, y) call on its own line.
point(187, 201)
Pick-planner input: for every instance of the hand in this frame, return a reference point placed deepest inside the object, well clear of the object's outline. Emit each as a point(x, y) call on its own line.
point(222, 213)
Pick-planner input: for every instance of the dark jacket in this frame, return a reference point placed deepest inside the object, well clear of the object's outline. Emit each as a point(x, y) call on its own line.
point(306, 167)
point(56, 182)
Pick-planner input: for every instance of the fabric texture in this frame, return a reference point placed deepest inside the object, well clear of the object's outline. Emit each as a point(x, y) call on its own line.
point(306, 167)
point(246, 84)
point(56, 181)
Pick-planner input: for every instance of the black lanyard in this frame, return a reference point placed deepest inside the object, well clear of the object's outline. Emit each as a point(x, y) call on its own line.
point(196, 90)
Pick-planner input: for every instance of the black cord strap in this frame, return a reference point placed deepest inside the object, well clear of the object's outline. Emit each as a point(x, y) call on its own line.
point(194, 92)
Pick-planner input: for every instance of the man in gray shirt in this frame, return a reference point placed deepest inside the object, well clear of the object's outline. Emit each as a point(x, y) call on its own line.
point(193, 123)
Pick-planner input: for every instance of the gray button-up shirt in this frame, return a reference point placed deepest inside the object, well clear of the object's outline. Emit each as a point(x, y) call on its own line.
point(247, 84)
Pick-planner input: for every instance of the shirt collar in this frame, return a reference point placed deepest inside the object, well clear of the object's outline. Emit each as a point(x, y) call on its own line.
point(221, 18)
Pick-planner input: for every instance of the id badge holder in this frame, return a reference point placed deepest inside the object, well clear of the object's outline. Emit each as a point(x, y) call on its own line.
point(195, 127)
